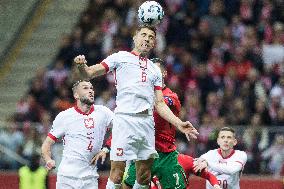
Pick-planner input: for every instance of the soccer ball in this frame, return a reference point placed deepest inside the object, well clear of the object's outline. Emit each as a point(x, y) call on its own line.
point(151, 13)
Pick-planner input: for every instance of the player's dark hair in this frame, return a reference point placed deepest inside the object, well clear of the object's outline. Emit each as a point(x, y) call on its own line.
point(140, 27)
point(75, 84)
point(227, 129)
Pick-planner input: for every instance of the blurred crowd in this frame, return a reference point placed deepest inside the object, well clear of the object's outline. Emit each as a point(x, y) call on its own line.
point(225, 60)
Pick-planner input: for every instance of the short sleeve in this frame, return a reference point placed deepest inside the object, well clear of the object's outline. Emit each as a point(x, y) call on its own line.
point(58, 129)
point(109, 116)
point(243, 158)
point(158, 83)
point(110, 62)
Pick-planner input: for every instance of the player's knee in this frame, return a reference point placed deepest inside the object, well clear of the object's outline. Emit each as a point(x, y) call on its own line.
point(116, 175)
point(144, 177)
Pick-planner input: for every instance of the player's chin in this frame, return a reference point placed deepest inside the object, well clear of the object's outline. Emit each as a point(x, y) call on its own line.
point(88, 101)
point(145, 50)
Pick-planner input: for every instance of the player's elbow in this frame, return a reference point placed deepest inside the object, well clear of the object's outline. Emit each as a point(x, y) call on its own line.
point(89, 74)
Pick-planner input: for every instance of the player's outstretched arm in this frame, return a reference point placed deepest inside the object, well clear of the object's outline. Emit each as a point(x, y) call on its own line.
point(165, 112)
point(88, 72)
point(46, 153)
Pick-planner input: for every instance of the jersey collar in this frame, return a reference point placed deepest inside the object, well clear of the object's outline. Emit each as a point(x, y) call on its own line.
point(83, 113)
point(230, 155)
point(134, 53)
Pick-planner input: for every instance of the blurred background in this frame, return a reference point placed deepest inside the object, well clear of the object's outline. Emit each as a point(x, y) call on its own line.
point(225, 60)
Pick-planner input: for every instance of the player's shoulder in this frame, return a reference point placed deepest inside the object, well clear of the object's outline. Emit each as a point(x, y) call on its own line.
point(123, 53)
point(209, 154)
point(67, 112)
point(168, 92)
point(241, 153)
point(212, 153)
point(118, 55)
point(101, 108)
point(155, 68)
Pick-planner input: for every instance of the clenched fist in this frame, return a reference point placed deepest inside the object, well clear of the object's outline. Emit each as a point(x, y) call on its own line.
point(50, 165)
point(80, 60)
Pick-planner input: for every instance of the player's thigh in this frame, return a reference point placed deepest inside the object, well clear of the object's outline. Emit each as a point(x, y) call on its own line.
point(130, 175)
point(123, 142)
point(169, 171)
point(143, 167)
point(91, 183)
point(117, 169)
point(66, 183)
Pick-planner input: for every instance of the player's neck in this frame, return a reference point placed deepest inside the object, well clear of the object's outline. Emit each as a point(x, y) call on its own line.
point(226, 153)
point(138, 53)
point(85, 108)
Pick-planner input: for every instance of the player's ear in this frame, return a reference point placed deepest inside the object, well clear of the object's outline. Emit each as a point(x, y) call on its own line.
point(76, 96)
point(235, 142)
point(218, 142)
point(134, 36)
point(165, 73)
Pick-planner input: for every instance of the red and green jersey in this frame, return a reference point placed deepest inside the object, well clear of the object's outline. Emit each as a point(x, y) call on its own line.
point(165, 132)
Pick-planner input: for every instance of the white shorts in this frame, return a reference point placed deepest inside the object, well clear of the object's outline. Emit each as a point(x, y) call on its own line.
point(133, 138)
point(76, 183)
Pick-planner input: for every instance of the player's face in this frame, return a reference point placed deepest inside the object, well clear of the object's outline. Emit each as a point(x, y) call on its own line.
point(85, 93)
point(144, 40)
point(226, 140)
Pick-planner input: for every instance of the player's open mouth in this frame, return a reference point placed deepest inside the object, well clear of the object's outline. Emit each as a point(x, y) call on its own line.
point(144, 45)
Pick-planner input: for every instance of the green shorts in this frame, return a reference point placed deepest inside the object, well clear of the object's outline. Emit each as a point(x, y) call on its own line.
point(166, 168)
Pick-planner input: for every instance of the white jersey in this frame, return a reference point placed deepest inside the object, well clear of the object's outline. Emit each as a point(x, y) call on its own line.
point(227, 170)
point(83, 136)
point(136, 78)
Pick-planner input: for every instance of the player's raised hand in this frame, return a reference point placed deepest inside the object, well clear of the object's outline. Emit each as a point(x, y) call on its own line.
point(50, 164)
point(101, 155)
point(188, 129)
point(80, 59)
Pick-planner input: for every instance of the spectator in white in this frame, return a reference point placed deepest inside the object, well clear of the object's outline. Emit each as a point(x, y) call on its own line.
point(274, 53)
point(83, 128)
point(275, 155)
point(276, 99)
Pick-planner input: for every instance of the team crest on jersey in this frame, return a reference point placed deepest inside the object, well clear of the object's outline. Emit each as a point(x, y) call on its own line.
point(143, 62)
point(89, 123)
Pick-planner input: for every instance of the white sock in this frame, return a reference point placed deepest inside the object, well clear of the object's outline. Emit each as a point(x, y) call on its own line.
point(111, 185)
point(139, 186)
